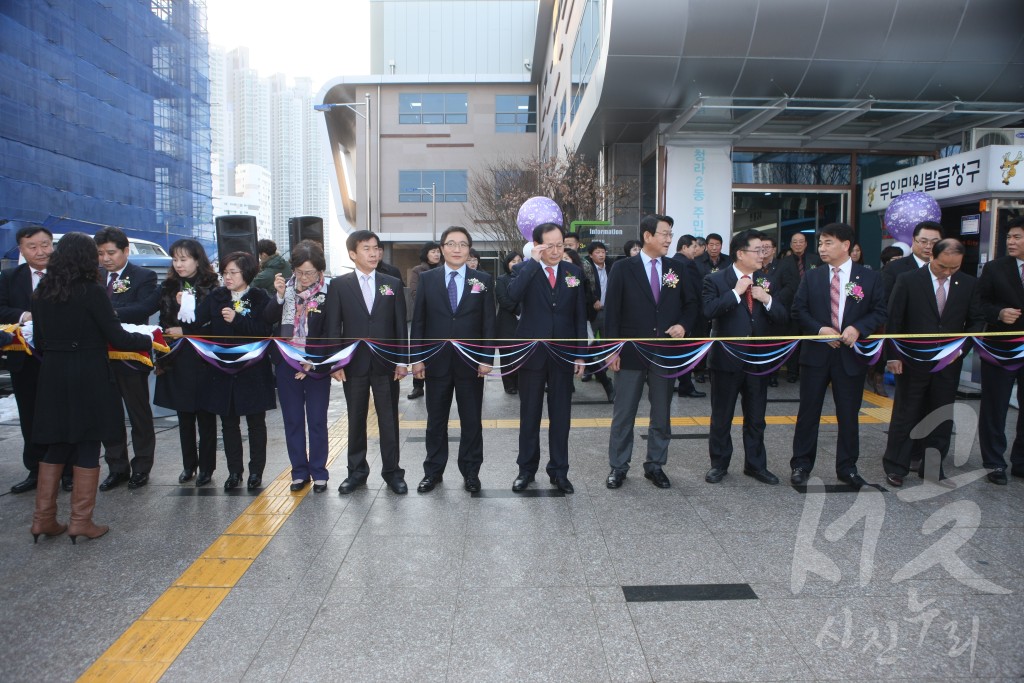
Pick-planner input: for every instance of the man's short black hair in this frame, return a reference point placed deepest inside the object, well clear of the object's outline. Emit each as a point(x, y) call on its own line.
point(1015, 223)
point(358, 237)
point(573, 235)
point(268, 247)
point(927, 225)
point(741, 240)
point(111, 235)
point(593, 246)
point(455, 228)
point(840, 231)
point(684, 241)
point(31, 231)
point(715, 236)
point(649, 223)
point(545, 228)
point(769, 238)
point(702, 242)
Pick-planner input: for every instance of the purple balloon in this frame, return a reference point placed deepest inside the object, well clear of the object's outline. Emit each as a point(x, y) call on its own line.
point(907, 210)
point(537, 210)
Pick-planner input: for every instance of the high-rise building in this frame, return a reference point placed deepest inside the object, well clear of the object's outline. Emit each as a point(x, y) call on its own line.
point(269, 123)
point(105, 117)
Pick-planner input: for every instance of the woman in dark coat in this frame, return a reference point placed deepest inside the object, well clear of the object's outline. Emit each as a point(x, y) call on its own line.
point(299, 307)
point(235, 315)
point(508, 318)
point(430, 257)
point(177, 383)
point(77, 405)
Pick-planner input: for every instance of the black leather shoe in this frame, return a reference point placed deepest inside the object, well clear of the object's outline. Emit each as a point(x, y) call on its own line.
point(512, 392)
point(113, 480)
point(763, 476)
point(203, 478)
point(521, 482)
point(29, 484)
point(319, 488)
point(700, 379)
point(186, 475)
point(853, 479)
point(1017, 471)
point(615, 479)
point(298, 485)
point(427, 484)
point(416, 392)
point(398, 486)
point(659, 478)
point(799, 477)
point(773, 381)
point(586, 378)
point(472, 484)
point(138, 480)
point(233, 481)
point(693, 393)
point(67, 482)
point(350, 484)
point(562, 484)
point(998, 476)
point(255, 481)
point(715, 475)
point(897, 479)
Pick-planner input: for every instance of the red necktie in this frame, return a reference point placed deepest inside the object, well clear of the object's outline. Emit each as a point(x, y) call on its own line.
point(551, 276)
point(800, 266)
point(835, 298)
point(749, 295)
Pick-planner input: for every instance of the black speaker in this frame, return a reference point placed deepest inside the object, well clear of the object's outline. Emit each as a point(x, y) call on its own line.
point(236, 233)
point(305, 228)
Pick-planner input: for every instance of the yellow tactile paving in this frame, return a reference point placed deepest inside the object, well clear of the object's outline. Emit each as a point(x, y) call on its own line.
point(124, 672)
point(186, 604)
point(260, 525)
point(236, 547)
point(213, 573)
point(152, 641)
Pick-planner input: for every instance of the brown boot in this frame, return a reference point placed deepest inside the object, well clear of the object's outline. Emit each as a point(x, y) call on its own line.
point(83, 502)
point(44, 519)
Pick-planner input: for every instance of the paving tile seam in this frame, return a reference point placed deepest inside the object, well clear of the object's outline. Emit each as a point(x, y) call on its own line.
point(151, 644)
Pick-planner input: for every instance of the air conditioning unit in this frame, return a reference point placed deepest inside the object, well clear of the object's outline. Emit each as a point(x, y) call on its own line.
point(984, 137)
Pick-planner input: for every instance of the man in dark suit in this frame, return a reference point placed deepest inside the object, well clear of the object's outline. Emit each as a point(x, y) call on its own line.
point(686, 250)
point(926, 235)
point(713, 259)
point(454, 302)
point(366, 304)
point(553, 301)
point(648, 297)
point(739, 303)
point(788, 275)
point(388, 269)
point(936, 299)
point(1002, 300)
point(596, 269)
point(16, 286)
point(769, 271)
point(133, 293)
point(845, 300)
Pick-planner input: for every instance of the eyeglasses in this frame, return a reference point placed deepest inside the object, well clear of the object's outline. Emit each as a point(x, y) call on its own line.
point(556, 246)
point(663, 234)
point(924, 241)
point(306, 273)
point(456, 245)
point(232, 272)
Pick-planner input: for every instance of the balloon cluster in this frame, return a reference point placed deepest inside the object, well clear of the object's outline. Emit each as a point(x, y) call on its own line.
point(906, 211)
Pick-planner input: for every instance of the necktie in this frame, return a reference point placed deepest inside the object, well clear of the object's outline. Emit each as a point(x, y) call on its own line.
point(367, 293)
point(453, 292)
point(39, 276)
point(110, 284)
point(749, 295)
point(655, 283)
point(835, 298)
point(800, 265)
point(940, 295)
point(1022, 273)
point(551, 276)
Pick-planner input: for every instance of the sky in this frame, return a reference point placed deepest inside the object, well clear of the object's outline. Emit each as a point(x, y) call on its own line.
point(311, 38)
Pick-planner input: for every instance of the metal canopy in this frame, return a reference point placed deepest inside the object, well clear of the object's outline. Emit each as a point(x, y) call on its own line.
point(873, 74)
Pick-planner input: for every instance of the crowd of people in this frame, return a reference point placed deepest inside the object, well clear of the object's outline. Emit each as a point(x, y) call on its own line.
point(69, 395)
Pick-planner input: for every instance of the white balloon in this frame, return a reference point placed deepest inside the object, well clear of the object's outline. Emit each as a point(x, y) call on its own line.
point(904, 247)
point(527, 251)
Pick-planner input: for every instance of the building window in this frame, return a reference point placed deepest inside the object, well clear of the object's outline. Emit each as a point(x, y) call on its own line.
point(790, 168)
point(585, 52)
point(515, 114)
point(450, 186)
point(433, 108)
point(162, 9)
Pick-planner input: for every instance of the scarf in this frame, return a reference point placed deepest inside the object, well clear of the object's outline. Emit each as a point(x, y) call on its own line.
point(294, 318)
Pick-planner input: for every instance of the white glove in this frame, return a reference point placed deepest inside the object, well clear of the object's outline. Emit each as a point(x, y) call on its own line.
point(187, 311)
